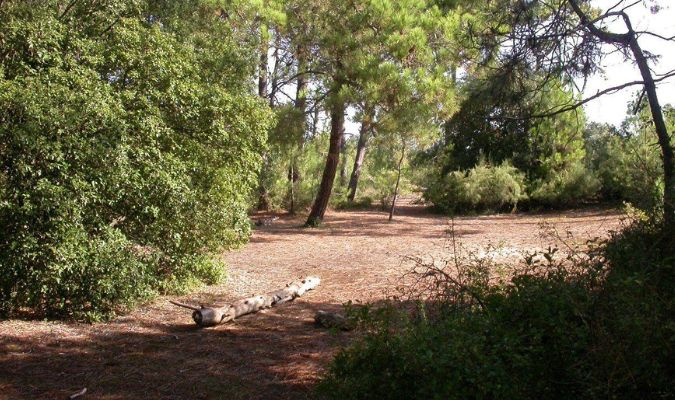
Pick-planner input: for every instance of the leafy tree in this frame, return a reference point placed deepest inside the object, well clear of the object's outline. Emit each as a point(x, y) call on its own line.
point(375, 47)
point(567, 39)
point(493, 125)
point(129, 145)
point(626, 160)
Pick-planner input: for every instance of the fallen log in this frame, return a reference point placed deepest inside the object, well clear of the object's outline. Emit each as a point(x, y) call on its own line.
point(211, 316)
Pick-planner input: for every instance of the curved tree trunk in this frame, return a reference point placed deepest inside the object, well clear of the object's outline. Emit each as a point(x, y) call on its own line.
point(337, 122)
point(661, 133)
point(360, 154)
point(398, 181)
point(629, 39)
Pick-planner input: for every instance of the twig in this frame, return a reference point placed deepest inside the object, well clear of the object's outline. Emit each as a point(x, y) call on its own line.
point(78, 394)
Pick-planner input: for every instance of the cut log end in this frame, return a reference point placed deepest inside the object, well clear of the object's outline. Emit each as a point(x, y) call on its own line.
point(208, 316)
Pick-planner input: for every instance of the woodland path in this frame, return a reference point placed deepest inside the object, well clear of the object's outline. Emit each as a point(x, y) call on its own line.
point(156, 352)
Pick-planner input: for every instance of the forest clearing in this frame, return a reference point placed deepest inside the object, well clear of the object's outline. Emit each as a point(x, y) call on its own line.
point(158, 352)
point(337, 199)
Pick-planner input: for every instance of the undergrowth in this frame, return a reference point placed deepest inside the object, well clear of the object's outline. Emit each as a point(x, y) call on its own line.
point(588, 322)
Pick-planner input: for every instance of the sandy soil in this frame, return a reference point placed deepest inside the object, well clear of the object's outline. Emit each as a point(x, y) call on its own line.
point(156, 352)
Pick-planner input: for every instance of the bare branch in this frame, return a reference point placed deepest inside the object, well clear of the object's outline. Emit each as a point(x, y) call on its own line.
point(666, 38)
point(68, 7)
point(184, 305)
point(605, 36)
point(578, 104)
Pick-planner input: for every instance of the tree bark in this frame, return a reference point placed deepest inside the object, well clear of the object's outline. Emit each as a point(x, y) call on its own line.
point(275, 72)
point(291, 208)
point(398, 180)
point(337, 121)
point(360, 155)
point(262, 66)
point(211, 316)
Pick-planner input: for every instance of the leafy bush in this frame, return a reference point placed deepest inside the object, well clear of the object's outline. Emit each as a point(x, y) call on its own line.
point(628, 166)
point(591, 325)
point(126, 159)
point(363, 202)
point(484, 187)
point(568, 187)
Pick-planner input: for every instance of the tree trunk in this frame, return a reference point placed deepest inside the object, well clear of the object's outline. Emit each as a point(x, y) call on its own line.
point(262, 66)
point(630, 39)
point(343, 167)
point(398, 180)
point(301, 92)
point(263, 195)
point(360, 155)
point(291, 208)
point(275, 72)
point(211, 316)
point(301, 109)
point(661, 133)
point(337, 121)
point(315, 120)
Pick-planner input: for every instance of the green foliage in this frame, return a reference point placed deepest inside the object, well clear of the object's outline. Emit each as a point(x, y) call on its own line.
point(566, 188)
point(363, 202)
point(483, 188)
point(494, 121)
point(597, 324)
point(628, 162)
point(126, 157)
point(309, 163)
point(634, 340)
point(378, 173)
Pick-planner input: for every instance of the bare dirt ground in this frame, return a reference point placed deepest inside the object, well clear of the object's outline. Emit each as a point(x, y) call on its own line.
point(156, 352)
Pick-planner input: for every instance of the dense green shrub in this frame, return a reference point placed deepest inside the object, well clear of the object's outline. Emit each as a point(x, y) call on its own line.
point(627, 163)
point(484, 187)
point(597, 325)
point(568, 187)
point(634, 318)
point(127, 155)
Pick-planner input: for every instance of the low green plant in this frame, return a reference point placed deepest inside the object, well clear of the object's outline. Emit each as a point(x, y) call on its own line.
point(483, 188)
point(566, 188)
point(363, 202)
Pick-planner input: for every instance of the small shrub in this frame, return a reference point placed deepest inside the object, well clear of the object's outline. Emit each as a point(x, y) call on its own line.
point(360, 203)
point(566, 188)
point(483, 188)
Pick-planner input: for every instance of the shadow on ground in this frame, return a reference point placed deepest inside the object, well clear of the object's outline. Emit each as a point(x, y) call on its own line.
point(246, 360)
point(413, 222)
